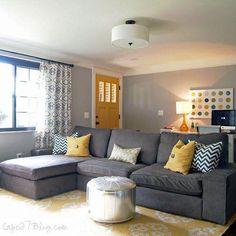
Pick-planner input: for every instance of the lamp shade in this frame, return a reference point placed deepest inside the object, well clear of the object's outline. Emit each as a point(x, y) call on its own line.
point(130, 36)
point(183, 107)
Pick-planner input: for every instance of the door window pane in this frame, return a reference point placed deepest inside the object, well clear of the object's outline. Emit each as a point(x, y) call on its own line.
point(6, 95)
point(113, 93)
point(101, 91)
point(108, 92)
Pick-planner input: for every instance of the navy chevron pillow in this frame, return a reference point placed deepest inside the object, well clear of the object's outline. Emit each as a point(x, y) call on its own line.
point(60, 144)
point(206, 157)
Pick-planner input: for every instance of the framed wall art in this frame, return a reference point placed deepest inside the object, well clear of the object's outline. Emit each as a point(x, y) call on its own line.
point(206, 100)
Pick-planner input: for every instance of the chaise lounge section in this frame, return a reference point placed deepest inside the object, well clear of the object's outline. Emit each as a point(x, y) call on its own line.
point(46, 175)
point(209, 196)
point(40, 176)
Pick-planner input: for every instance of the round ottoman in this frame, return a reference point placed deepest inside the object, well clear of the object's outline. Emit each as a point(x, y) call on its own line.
point(111, 199)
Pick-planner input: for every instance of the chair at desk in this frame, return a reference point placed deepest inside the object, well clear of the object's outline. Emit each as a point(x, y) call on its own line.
point(208, 129)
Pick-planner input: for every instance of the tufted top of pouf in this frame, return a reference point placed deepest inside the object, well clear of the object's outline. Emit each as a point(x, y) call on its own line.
point(111, 183)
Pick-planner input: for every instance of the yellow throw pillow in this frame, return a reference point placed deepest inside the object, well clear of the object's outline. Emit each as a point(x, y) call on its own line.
point(78, 146)
point(181, 157)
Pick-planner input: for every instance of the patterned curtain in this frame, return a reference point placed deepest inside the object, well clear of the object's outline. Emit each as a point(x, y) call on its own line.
point(54, 111)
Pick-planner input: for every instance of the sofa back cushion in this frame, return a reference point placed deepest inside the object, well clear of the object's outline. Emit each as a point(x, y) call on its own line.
point(148, 143)
point(99, 139)
point(168, 140)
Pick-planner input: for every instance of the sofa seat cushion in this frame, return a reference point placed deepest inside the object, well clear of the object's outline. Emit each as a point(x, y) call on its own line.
point(156, 177)
point(105, 167)
point(39, 167)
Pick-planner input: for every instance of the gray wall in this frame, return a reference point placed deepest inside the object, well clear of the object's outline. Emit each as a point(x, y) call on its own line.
point(12, 143)
point(144, 95)
point(81, 95)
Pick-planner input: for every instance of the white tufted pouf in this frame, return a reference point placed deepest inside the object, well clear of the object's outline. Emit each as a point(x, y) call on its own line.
point(111, 199)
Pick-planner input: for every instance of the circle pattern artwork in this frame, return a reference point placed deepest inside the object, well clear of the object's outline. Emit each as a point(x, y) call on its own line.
point(204, 101)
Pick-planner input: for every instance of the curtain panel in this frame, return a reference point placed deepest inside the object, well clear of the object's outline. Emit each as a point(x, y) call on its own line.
point(54, 110)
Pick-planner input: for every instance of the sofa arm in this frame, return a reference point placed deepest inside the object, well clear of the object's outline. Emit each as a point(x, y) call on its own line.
point(219, 194)
point(39, 152)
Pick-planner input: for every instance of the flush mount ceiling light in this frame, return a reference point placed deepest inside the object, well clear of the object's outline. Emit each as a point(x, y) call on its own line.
point(130, 35)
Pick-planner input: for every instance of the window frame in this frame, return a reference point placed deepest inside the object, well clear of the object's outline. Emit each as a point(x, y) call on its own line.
point(25, 64)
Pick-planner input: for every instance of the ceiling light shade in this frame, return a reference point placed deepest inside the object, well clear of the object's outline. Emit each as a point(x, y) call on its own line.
point(130, 35)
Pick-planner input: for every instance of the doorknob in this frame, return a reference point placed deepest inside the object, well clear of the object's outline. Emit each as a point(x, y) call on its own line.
point(97, 123)
point(96, 116)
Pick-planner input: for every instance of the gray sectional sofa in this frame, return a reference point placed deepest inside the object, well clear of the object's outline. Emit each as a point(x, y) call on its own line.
point(210, 196)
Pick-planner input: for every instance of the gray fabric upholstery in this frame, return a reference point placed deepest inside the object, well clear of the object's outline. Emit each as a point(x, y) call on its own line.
point(133, 139)
point(39, 167)
point(156, 177)
point(168, 140)
point(105, 167)
point(82, 181)
point(98, 141)
point(39, 152)
point(219, 195)
point(184, 205)
point(210, 196)
point(41, 188)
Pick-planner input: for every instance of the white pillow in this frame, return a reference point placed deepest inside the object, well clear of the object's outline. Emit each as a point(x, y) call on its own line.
point(129, 155)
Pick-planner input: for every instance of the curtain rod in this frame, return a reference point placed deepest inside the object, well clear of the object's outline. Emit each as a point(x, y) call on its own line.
point(39, 58)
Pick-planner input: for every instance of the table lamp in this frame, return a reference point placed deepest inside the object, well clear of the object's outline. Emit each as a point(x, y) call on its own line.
point(183, 107)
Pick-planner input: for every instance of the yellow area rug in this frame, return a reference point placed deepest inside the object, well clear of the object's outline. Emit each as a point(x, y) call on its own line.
point(66, 214)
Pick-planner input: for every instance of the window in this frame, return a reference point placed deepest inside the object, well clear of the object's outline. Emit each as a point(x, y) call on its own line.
point(108, 91)
point(101, 91)
point(113, 93)
point(19, 94)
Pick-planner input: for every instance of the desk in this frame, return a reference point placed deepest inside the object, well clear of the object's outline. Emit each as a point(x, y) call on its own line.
point(231, 139)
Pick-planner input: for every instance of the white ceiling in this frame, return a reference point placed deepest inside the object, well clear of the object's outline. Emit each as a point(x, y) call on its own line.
point(184, 34)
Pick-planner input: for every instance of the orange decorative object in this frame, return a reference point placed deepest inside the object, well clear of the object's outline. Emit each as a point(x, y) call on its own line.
point(184, 126)
point(183, 107)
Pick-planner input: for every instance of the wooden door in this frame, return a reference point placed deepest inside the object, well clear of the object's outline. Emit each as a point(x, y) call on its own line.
point(107, 102)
